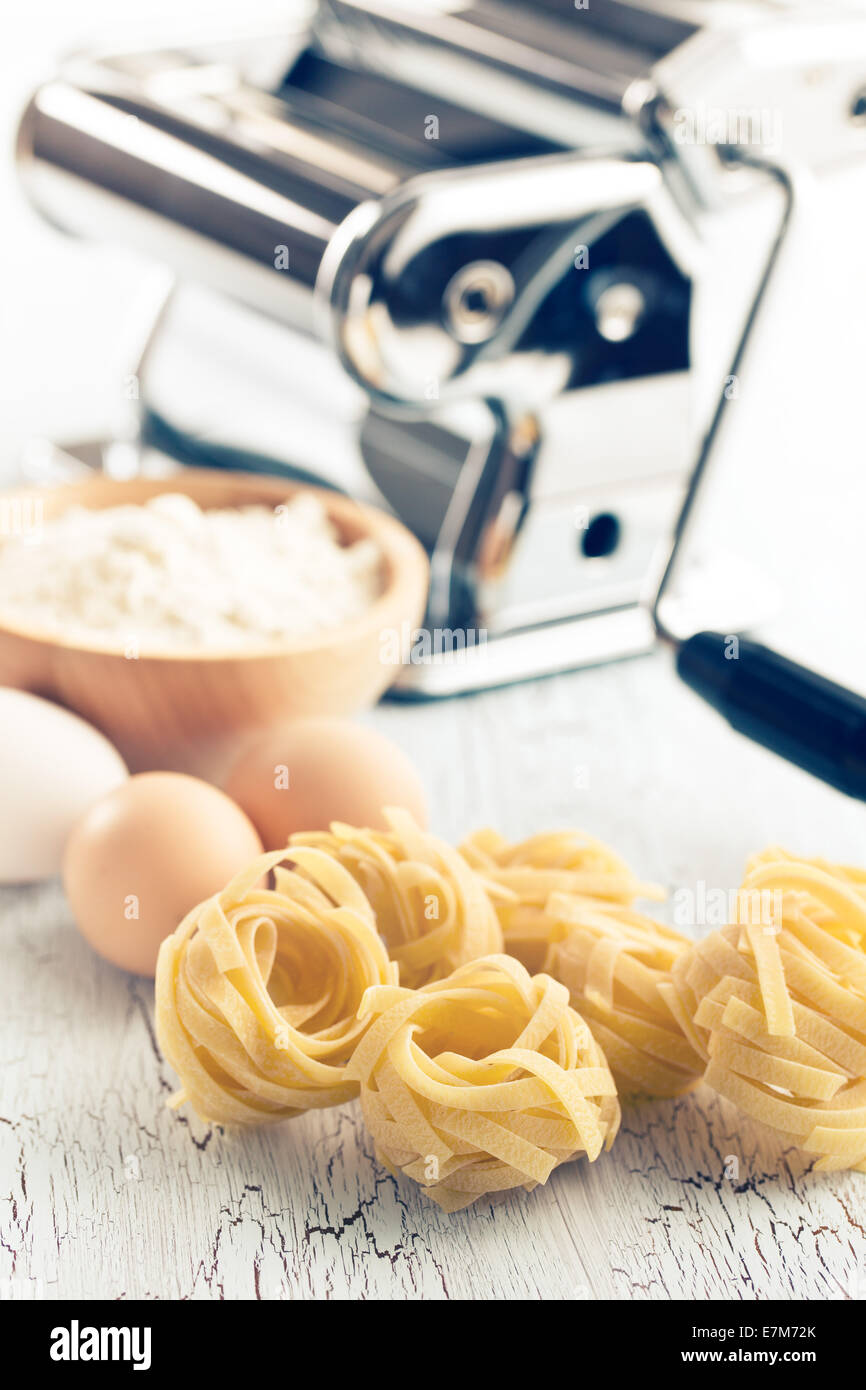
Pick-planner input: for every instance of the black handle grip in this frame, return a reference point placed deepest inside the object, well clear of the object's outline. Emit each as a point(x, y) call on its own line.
point(791, 710)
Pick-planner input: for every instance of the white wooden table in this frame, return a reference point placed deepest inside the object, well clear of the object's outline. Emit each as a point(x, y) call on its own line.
point(105, 1193)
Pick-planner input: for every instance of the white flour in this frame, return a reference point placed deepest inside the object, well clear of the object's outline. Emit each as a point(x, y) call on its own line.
point(168, 575)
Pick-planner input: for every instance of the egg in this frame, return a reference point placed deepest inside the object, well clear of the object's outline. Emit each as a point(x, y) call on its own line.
point(145, 855)
point(304, 774)
point(53, 766)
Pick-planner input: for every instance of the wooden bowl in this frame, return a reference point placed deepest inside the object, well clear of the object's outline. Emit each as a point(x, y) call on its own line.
point(189, 710)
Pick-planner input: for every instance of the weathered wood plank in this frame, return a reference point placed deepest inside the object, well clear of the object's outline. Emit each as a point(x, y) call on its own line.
point(105, 1192)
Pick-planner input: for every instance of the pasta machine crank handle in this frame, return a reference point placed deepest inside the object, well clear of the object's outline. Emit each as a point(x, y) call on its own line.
point(793, 711)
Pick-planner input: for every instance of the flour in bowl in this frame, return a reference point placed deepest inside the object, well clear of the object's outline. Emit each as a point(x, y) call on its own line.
point(168, 575)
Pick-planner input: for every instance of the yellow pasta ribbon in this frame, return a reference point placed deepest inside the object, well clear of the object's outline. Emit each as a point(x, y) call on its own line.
point(432, 911)
point(521, 877)
point(778, 1008)
point(258, 990)
point(563, 900)
point(481, 1082)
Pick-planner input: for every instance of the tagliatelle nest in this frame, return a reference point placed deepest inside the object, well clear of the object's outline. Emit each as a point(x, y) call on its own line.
point(432, 911)
point(258, 990)
point(848, 873)
point(776, 1002)
point(613, 961)
point(563, 901)
point(521, 878)
point(482, 1082)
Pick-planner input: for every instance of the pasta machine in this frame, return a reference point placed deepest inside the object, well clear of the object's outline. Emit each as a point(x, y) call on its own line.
point(470, 251)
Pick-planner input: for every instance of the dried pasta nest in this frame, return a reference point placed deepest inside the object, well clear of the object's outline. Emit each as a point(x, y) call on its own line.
point(482, 1082)
point(521, 878)
point(776, 1003)
point(563, 901)
point(432, 911)
point(848, 873)
point(258, 990)
point(613, 960)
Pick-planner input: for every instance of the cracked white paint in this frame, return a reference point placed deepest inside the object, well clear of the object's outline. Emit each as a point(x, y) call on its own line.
point(107, 1193)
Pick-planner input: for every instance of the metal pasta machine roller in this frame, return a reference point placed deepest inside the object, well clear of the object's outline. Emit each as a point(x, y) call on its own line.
point(462, 259)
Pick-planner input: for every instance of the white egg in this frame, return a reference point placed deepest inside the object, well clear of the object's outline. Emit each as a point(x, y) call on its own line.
point(53, 766)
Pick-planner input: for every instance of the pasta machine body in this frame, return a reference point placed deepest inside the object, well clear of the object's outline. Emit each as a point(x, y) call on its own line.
point(471, 253)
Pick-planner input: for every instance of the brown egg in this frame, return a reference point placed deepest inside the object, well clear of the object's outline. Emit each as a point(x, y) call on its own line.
point(304, 774)
point(146, 854)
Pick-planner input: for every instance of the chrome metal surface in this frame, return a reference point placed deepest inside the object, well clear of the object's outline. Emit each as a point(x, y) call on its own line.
point(386, 273)
point(554, 51)
point(509, 223)
point(476, 299)
point(538, 651)
point(619, 309)
point(221, 181)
